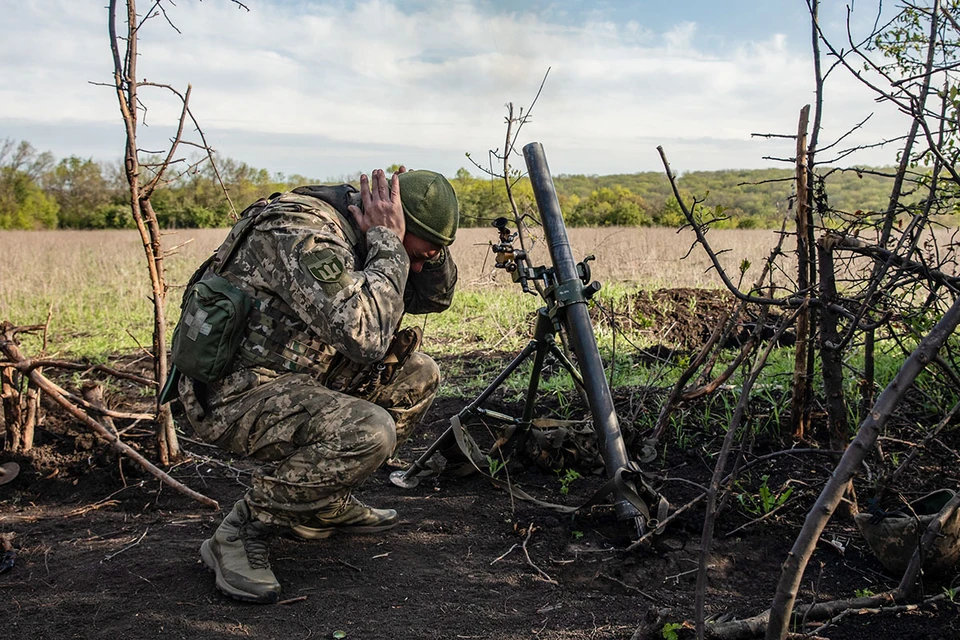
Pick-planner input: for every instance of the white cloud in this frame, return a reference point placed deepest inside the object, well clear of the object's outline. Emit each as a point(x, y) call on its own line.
point(681, 37)
point(426, 84)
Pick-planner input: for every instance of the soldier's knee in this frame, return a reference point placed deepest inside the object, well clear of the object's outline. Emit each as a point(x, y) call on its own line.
point(424, 370)
point(379, 431)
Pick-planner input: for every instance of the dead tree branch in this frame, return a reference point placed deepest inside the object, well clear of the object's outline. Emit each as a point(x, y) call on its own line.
point(10, 349)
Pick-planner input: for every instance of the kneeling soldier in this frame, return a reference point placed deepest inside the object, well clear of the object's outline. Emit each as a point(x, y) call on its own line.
point(322, 386)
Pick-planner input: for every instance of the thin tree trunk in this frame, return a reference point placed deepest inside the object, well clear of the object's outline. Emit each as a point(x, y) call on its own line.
point(166, 429)
point(831, 358)
point(811, 151)
point(125, 79)
point(801, 379)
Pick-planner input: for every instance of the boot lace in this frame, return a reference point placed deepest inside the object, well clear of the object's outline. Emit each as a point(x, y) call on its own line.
point(255, 546)
point(342, 504)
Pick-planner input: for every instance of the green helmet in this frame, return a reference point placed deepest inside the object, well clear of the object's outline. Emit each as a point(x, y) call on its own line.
point(429, 206)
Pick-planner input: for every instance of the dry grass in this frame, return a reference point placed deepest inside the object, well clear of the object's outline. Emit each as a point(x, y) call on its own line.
point(95, 283)
point(641, 258)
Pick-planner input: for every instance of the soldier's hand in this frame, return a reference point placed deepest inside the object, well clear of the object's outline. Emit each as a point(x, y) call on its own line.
point(381, 204)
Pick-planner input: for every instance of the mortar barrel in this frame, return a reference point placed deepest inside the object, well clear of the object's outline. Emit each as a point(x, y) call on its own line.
point(576, 318)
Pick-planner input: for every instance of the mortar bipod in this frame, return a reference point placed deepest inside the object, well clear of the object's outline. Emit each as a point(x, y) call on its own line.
point(542, 343)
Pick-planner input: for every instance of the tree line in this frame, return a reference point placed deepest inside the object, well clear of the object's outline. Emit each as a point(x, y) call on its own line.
point(39, 192)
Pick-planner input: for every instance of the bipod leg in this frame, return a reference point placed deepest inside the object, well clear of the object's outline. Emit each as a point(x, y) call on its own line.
point(547, 346)
point(544, 338)
point(561, 357)
point(407, 478)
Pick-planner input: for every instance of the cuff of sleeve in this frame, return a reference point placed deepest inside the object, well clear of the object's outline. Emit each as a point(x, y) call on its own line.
point(436, 265)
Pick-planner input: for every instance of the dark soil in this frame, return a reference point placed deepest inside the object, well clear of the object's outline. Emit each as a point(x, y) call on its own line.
point(104, 551)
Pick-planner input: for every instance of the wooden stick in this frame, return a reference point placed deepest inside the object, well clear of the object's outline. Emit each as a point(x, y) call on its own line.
point(29, 363)
point(543, 574)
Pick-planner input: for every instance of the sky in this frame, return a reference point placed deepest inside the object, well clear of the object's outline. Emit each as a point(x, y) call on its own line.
point(329, 89)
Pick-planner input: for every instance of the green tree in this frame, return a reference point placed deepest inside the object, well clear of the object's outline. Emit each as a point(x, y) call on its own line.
point(23, 204)
point(81, 190)
point(670, 215)
point(23, 157)
point(610, 206)
point(481, 200)
point(111, 216)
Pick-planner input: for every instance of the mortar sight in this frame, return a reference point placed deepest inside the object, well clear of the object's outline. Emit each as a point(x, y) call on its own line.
point(507, 258)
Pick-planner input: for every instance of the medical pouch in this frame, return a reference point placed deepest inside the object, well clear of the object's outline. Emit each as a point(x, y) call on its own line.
point(213, 312)
point(212, 322)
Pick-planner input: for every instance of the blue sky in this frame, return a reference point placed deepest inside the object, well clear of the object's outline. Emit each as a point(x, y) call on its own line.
point(328, 90)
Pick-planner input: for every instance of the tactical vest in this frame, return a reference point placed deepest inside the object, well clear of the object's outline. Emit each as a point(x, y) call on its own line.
point(275, 337)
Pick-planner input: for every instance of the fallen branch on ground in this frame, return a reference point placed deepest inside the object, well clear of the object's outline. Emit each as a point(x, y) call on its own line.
point(543, 574)
point(28, 364)
point(9, 348)
point(828, 612)
point(757, 625)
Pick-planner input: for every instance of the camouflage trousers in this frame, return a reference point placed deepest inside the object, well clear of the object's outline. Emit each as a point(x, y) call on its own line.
point(316, 444)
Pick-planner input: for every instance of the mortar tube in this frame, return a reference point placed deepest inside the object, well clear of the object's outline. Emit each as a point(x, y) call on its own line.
point(579, 326)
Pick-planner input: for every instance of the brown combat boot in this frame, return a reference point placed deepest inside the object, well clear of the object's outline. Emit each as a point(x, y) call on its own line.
point(347, 515)
point(237, 552)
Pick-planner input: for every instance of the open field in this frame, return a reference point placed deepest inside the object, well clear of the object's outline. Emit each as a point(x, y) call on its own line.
point(95, 286)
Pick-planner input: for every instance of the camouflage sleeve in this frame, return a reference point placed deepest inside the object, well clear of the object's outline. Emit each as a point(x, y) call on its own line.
point(431, 290)
point(354, 308)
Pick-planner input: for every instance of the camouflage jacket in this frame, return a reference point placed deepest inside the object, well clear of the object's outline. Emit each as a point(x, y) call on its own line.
point(321, 288)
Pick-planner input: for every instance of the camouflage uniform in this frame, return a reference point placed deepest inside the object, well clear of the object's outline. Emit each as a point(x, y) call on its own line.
point(326, 300)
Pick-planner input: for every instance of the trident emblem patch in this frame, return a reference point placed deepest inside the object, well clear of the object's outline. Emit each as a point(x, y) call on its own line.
point(324, 265)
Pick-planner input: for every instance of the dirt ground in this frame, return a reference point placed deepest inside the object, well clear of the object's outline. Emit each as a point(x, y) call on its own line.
point(102, 550)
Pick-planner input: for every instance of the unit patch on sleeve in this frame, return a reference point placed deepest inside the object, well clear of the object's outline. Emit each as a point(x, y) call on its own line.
point(323, 264)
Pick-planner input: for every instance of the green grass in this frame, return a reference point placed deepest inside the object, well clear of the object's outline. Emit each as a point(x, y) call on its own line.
point(498, 319)
point(94, 285)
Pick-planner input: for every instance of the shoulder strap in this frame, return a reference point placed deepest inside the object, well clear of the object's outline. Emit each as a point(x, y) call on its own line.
point(339, 197)
point(248, 219)
point(241, 229)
